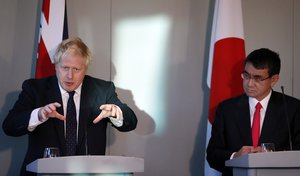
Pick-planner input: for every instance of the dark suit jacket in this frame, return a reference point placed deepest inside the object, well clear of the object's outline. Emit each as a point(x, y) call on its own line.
point(232, 129)
point(40, 92)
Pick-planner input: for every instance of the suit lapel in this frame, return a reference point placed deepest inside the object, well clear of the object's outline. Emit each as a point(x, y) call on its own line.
point(271, 118)
point(55, 96)
point(87, 96)
point(242, 117)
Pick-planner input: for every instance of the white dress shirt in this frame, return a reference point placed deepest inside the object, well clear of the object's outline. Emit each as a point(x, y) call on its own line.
point(34, 121)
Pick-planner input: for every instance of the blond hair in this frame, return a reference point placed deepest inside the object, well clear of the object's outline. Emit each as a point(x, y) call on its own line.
point(74, 46)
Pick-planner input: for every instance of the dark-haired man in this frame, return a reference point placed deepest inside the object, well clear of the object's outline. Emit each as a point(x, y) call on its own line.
point(244, 122)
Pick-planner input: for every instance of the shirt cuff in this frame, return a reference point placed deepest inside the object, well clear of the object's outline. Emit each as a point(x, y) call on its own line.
point(116, 122)
point(34, 120)
point(232, 155)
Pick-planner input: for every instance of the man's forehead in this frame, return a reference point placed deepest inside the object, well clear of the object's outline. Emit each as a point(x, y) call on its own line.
point(249, 68)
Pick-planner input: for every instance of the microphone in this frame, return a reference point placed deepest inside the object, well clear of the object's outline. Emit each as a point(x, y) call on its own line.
point(85, 138)
point(287, 117)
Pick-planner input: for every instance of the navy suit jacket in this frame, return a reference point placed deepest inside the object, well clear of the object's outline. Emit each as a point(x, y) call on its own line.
point(91, 137)
point(232, 129)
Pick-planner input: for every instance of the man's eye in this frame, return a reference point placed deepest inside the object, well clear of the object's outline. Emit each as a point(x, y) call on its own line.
point(257, 78)
point(76, 69)
point(246, 76)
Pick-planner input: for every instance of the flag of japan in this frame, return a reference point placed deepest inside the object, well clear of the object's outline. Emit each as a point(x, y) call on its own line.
point(226, 58)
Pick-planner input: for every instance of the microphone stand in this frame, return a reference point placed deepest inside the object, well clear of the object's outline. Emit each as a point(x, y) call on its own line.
point(287, 118)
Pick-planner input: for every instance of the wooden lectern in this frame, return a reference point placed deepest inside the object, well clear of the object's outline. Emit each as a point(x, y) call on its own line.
point(87, 165)
point(285, 163)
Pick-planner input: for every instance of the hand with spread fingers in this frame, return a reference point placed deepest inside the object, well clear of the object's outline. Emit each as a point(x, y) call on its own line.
point(49, 111)
point(109, 110)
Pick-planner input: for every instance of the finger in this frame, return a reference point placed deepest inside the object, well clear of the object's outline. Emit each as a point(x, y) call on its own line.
point(257, 149)
point(47, 109)
point(51, 107)
point(50, 111)
point(42, 114)
point(245, 150)
point(113, 111)
point(57, 104)
point(251, 149)
point(106, 107)
point(59, 116)
point(98, 118)
point(119, 114)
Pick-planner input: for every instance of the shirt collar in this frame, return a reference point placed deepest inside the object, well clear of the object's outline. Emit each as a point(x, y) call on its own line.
point(264, 102)
point(77, 91)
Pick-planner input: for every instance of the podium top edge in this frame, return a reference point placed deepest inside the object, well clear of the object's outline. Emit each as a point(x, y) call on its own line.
point(280, 159)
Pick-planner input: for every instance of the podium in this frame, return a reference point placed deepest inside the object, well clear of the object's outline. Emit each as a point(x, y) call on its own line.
point(103, 165)
point(285, 163)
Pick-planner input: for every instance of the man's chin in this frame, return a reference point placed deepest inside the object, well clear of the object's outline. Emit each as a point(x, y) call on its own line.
point(68, 88)
point(251, 94)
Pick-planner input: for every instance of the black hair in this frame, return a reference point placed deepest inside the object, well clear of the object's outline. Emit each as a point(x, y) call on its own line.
point(264, 58)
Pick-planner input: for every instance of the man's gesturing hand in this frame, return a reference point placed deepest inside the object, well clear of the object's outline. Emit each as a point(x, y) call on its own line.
point(49, 111)
point(109, 110)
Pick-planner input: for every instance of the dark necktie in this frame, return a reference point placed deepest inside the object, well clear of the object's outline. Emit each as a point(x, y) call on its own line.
point(256, 125)
point(71, 126)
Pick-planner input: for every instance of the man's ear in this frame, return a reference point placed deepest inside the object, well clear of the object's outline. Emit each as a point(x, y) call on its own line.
point(274, 79)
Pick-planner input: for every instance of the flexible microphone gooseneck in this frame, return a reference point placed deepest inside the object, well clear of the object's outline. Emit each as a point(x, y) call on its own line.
point(287, 117)
point(85, 138)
